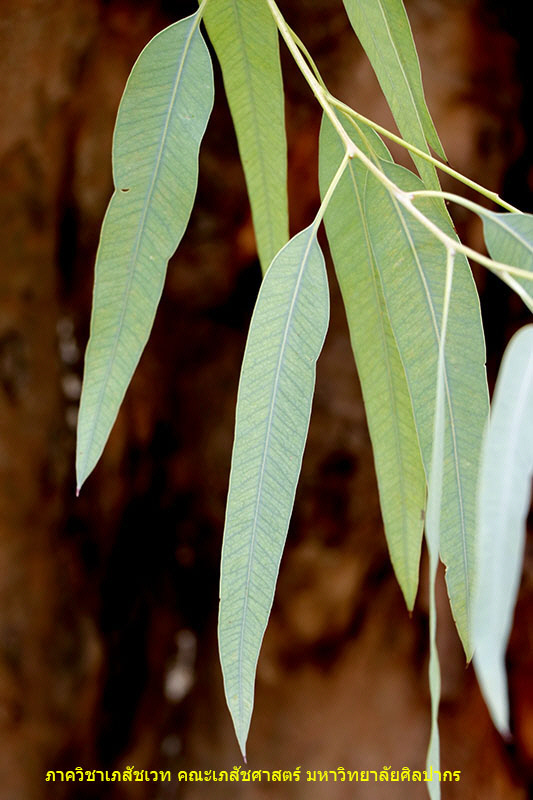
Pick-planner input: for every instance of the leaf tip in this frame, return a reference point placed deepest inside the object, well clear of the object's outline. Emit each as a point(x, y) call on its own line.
point(80, 480)
point(242, 736)
point(467, 647)
point(81, 477)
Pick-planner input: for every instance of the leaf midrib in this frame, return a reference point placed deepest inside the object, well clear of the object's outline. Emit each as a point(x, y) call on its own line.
point(266, 448)
point(133, 263)
point(405, 524)
point(465, 559)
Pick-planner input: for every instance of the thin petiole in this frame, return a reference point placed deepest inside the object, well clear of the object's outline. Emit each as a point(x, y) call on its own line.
point(456, 198)
point(315, 85)
point(309, 58)
point(201, 9)
point(331, 188)
point(485, 261)
point(413, 149)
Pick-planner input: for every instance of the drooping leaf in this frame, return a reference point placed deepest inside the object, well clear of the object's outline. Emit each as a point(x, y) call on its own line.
point(509, 239)
point(244, 35)
point(433, 522)
point(400, 473)
point(504, 499)
point(383, 29)
point(411, 263)
point(433, 753)
point(161, 120)
point(273, 408)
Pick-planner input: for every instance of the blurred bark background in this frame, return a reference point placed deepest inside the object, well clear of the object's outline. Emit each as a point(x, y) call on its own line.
point(108, 603)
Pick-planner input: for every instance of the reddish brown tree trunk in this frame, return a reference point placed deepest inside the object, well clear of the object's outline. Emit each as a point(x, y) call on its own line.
point(108, 604)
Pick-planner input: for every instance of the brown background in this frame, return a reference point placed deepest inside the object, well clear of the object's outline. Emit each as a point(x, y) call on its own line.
point(108, 603)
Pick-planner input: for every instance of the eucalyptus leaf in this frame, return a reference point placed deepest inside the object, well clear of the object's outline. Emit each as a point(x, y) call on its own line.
point(509, 239)
point(273, 409)
point(504, 501)
point(399, 470)
point(411, 263)
point(383, 29)
point(433, 528)
point(161, 121)
point(244, 35)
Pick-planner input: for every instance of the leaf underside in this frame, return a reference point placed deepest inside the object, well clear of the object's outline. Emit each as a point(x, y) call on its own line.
point(400, 473)
point(411, 264)
point(433, 524)
point(273, 409)
point(245, 38)
point(509, 239)
point(383, 29)
point(161, 120)
point(504, 501)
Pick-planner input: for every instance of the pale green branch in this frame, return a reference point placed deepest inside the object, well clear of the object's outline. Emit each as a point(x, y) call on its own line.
point(316, 87)
point(346, 109)
point(349, 111)
point(328, 103)
point(485, 261)
point(201, 9)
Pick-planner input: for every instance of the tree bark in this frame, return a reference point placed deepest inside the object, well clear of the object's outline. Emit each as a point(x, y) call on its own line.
point(108, 603)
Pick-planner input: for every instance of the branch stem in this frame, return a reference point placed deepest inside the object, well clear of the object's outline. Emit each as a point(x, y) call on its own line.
point(329, 103)
point(413, 149)
point(318, 90)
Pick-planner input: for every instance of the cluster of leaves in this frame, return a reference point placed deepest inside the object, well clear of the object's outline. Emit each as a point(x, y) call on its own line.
point(412, 310)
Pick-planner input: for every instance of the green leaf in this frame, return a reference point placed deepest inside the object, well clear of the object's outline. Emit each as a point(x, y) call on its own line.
point(161, 120)
point(509, 239)
point(400, 473)
point(245, 37)
point(411, 263)
point(383, 29)
point(433, 527)
point(273, 409)
point(504, 500)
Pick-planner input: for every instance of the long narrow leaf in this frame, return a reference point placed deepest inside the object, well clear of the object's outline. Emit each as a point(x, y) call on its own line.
point(383, 29)
point(273, 408)
point(509, 239)
point(504, 498)
point(433, 522)
point(411, 263)
point(400, 473)
point(244, 35)
point(161, 120)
